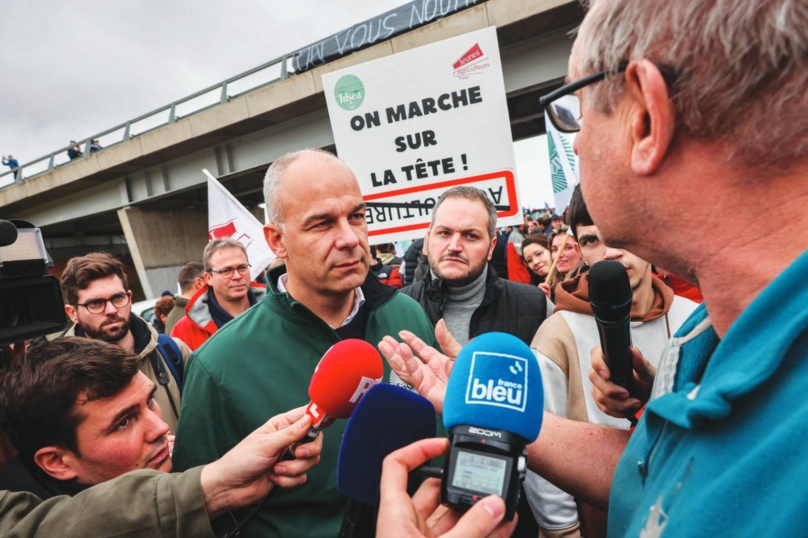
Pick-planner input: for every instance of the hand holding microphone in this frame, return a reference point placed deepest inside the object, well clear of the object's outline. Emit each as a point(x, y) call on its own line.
point(610, 297)
point(613, 399)
point(493, 410)
point(346, 372)
point(401, 515)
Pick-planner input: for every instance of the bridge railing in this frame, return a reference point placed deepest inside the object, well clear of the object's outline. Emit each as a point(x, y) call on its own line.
point(258, 77)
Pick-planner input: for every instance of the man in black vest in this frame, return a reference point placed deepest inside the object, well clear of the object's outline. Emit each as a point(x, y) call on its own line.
point(462, 287)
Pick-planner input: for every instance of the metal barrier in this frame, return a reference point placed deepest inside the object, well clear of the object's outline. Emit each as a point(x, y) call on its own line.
point(258, 77)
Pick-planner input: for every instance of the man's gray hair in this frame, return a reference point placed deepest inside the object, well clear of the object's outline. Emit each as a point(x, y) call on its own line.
point(740, 68)
point(475, 194)
point(219, 244)
point(272, 181)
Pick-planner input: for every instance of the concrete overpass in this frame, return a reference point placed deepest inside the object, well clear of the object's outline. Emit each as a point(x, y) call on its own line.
point(144, 197)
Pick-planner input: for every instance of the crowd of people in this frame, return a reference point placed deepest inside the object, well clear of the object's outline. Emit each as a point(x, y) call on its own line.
point(705, 440)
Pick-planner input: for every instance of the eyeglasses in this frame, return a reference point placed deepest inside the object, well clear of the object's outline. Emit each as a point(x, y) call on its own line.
point(563, 107)
point(228, 272)
point(97, 306)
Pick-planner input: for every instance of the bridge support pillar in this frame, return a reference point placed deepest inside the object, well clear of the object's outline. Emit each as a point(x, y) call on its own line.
point(161, 242)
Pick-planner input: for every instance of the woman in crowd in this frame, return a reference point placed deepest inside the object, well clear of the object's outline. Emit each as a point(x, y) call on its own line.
point(570, 262)
point(537, 257)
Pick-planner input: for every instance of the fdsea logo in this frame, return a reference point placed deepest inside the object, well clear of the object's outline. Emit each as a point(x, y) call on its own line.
point(349, 92)
point(498, 379)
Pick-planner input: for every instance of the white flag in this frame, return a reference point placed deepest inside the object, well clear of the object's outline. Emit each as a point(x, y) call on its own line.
point(228, 218)
point(563, 164)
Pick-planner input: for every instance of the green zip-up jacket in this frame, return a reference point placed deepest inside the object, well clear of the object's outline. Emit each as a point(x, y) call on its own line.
point(259, 365)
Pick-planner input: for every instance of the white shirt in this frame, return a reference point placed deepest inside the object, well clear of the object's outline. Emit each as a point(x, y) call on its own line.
point(359, 299)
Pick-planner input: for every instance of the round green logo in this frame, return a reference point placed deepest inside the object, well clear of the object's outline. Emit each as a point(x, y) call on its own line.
point(349, 92)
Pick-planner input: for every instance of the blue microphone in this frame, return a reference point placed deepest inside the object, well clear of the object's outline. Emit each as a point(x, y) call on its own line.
point(493, 408)
point(387, 418)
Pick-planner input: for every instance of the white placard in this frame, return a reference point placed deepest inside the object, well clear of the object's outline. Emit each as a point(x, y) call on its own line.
point(414, 124)
point(228, 218)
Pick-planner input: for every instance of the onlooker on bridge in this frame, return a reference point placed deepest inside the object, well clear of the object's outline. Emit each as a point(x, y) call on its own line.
point(12, 163)
point(74, 152)
point(95, 146)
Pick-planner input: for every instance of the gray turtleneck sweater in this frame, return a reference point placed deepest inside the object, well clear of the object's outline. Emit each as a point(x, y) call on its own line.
point(461, 302)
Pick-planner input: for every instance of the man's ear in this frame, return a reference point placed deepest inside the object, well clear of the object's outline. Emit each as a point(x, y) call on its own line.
point(652, 117)
point(491, 248)
point(274, 237)
point(56, 462)
point(71, 312)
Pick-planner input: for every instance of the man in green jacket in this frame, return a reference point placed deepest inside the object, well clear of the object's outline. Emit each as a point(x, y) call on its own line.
point(262, 362)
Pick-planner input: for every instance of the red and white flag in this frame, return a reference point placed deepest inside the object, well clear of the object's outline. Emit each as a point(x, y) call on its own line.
point(228, 218)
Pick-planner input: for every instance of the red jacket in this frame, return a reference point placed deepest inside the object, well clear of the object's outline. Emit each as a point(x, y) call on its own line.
point(196, 326)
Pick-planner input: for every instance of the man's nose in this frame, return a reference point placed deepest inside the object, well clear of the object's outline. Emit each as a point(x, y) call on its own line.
point(157, 427)
point(347, 237)
point(612, 254)
point(109, 309)
point(454, 243)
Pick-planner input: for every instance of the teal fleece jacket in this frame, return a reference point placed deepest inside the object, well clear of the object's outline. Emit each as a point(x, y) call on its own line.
point(259, 365)
point(720, 449)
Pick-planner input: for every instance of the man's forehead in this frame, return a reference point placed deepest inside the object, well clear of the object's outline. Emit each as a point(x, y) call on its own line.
point(101, 287)
point(229, 253)
point(460, 213)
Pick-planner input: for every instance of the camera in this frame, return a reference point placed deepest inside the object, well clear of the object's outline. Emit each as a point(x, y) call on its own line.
point(31, 302)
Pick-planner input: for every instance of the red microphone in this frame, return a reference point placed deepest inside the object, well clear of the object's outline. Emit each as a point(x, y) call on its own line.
point(347, 371)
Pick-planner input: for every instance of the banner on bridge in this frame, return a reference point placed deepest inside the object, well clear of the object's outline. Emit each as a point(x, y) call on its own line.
point(416, 123)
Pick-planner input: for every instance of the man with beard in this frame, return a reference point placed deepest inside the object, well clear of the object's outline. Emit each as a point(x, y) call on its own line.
point(262, 361)
point(462, 288)
point(99, 303)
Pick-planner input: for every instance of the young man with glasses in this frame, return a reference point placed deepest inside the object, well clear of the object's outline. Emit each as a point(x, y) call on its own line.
point(98, 302)
point(227, 293)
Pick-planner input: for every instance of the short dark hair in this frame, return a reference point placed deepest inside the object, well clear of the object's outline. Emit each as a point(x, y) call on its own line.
point(40, 394)
point(471, 193)
point(83, 270)
point(578, 215)
point(188, 274)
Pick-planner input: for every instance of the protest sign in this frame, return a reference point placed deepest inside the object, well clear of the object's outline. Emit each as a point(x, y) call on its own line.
point(414, 124)
point(228, 218)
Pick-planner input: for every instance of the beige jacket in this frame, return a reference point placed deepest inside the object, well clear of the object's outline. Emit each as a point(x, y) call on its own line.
point(146, 503)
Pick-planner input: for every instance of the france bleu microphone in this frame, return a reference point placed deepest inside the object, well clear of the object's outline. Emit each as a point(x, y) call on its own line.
point(610, 298)
point(492, 409)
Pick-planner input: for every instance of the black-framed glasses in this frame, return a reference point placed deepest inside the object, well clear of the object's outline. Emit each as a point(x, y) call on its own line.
point(97, 306)
point(228, 272)
point(563, 107)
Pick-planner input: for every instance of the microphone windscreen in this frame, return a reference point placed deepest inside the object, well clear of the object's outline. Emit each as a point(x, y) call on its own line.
point(347, 371)
point(387, 418)
point(496, 383)
point(609, 290)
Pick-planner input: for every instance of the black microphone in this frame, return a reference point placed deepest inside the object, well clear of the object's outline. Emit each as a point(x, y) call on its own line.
point(610, 299)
